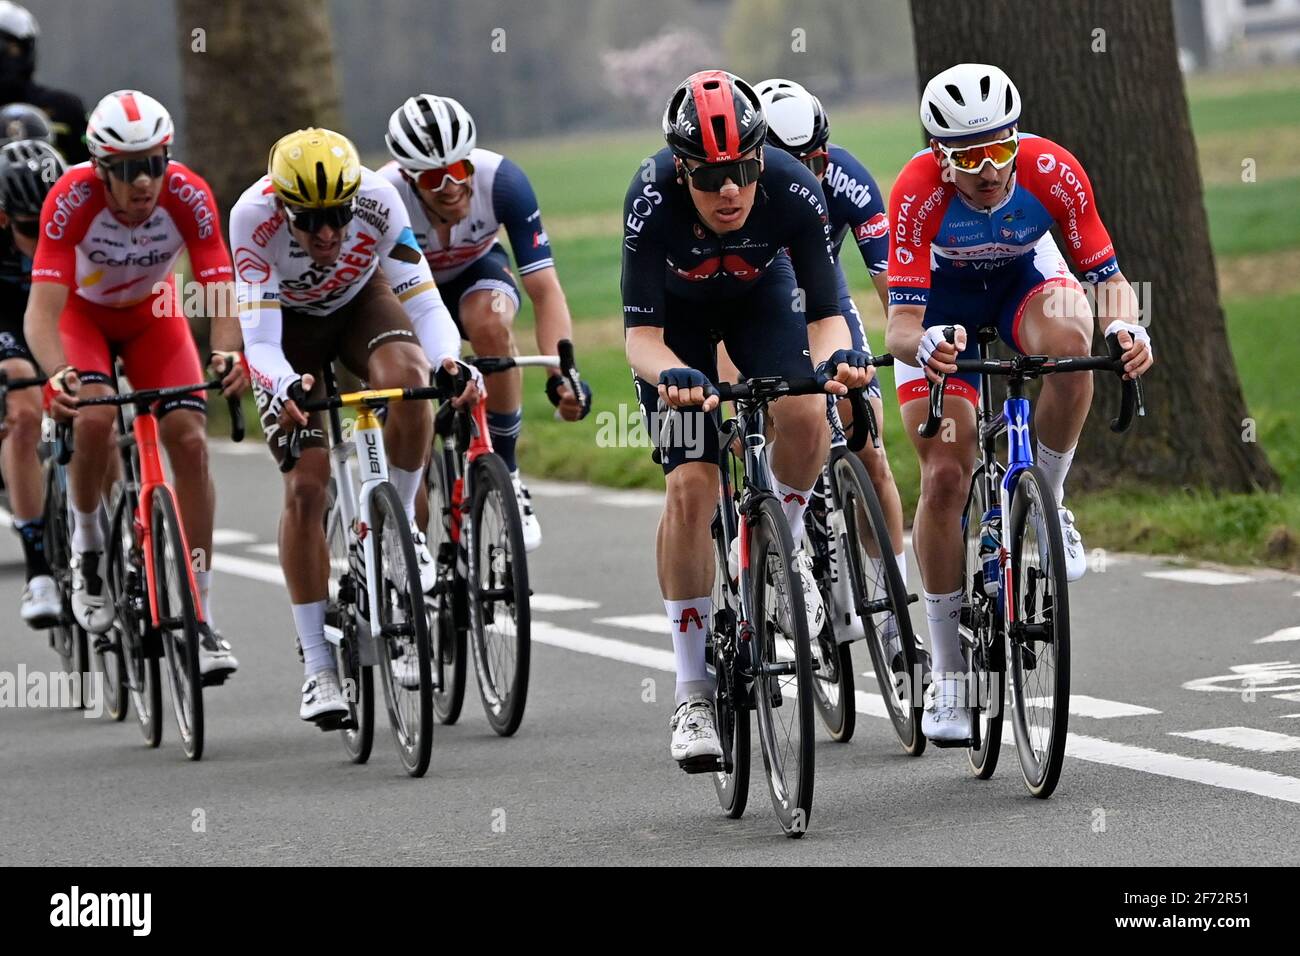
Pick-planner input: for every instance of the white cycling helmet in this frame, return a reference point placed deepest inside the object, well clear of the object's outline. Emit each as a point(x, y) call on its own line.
point(796, 121)
point(969, 98)
point(430, 132)
point(17, 21)
point(127, 121)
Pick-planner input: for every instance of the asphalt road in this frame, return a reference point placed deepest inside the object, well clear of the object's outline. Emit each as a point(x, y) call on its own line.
point(1185, 740)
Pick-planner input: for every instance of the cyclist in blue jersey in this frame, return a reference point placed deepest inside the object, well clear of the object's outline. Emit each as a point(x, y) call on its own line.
point(458, 197)
point(798, 124)
point(725, 241)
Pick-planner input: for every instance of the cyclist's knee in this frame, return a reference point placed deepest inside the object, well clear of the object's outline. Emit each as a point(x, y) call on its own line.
point(877, 464)
point(93, 427)
point(692, 491)
point(24, 421)
point(399, 365)
point(492, 335)
point(945, 481)
point(184, 435)
point(305, 489)
point(801, 422)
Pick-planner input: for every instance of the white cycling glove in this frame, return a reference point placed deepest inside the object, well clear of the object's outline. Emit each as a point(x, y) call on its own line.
point(932, 339)
point(1132, 328)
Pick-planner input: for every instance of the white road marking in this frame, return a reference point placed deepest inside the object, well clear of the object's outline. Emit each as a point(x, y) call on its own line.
point(1286, 634)
point(630, 499)
point(1199, 576)
point(271, 550)
point(1081, 705)
point(221, 536)
point(558, 602)
point(1093, 749)
point(652, 623)
point(249, 446)
point(1244, 738)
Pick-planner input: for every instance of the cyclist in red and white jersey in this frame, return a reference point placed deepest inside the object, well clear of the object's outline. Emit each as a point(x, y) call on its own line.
point(970, 246)
point(111, 233)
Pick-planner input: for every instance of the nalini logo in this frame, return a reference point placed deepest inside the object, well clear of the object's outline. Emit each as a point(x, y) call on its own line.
point(76, 909)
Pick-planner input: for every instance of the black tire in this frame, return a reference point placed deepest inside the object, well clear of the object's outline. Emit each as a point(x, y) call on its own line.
point(66, 637)
point(782, 669)
point(867, 545)
point(730, 705)
point(130, 628)
point(498, 595)
point(447, 610)
point(179, 630)
point(109, 664)
point(832, 661)
point(983, 643)
point(403, 631)
point(1039, 666)
point(356, 679)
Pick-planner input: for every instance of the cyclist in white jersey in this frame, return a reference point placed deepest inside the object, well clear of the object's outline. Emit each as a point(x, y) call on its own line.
point(458, 197)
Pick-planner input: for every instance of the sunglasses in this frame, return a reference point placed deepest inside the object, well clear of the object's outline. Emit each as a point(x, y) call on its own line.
point(128, 169)
point(435, 180)
point(312, 219)
point(710, 178)
point(971, 159)
point(816, 161)
point(31, 228)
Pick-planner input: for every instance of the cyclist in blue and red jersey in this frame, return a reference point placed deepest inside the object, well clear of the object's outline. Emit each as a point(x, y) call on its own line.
point(970, 246)
point(725, 241)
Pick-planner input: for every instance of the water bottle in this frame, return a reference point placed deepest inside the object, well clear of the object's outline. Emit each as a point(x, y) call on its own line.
point(990, 549)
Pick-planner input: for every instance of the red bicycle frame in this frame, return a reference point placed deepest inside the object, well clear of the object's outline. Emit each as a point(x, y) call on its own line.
point(480, 443)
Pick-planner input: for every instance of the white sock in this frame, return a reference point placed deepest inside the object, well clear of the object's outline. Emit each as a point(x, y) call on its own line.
point(407, 484)
point(794, 502)
point(203, 580)
point(688, 623)
point(901, 560)
point(87, 533)
point(1055, 466)
point(943, 612)
point(309, 621)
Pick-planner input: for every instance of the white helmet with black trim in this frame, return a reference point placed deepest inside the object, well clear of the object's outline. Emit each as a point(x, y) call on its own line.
point(430, 132)
point(128, 121)
point(968, 99)
point(796, 120)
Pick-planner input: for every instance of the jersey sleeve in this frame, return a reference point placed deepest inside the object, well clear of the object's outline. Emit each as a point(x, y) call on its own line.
point(66, 214)
point(515, 205)
point(408, 272)
point(809, 246)
point(645, 261)
point(863, 211)
point(193, 207)
point(916, 207)
point(1058, 181)
point(257, 298)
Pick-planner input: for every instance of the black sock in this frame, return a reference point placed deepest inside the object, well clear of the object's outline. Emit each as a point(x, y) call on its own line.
point(32, 534)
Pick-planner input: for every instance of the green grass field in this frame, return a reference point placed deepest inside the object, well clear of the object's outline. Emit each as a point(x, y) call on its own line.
point(581, 183)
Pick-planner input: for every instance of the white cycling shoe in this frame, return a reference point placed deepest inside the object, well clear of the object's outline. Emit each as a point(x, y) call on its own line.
point(1076, 559)
point(812, 595)
point(424, 560)
point(532, 530)
point(90, 604)
point(42, 604)
point(216, 662)
point(695, 743)
point(406, 670)
point(946, 719)
point(322, 698)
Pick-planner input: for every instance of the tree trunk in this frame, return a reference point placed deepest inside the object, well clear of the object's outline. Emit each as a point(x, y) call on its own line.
point(1102, 79)
point(259, 69)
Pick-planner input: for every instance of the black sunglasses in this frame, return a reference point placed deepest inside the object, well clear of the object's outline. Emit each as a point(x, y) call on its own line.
point(31, 228)
point(312, 219)
point(712, 177)
point(128, 169)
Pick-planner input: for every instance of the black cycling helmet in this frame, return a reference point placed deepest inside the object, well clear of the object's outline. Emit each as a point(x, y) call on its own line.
point(714, 117)
point(29, 168)
point(24, 121)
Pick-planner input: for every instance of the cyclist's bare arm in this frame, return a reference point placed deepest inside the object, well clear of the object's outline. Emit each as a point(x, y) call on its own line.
point(649, 356)
point(551, 310)
point(1116, 301)
point(903, 332)
point(881, 281)
point(41, 323)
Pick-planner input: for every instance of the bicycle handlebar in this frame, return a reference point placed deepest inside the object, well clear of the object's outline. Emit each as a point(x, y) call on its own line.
point(146, 397)
point(1033, 366)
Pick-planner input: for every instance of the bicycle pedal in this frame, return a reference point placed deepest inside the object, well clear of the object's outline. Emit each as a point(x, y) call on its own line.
point(949, 744)
point(703, 764)
point(334, 721)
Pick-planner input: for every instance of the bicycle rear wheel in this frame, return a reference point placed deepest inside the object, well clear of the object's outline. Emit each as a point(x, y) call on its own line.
point(982, 640)
point(499, 615)
point(1039, 634)
point(130, 627)
point(730, 700)
point(404, 651)
point(66, 636)
point(178, 622)
point(446, 604)
point(783, 675)
point(358, 680)
point(878, 587)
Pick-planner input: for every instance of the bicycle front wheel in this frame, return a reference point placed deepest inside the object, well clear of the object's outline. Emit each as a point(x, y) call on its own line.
point(729, 699)
point(340, 613)
point(404, 652)
point(66, 636)
point(446, 603)
point(498, 596)
point(130, 629)
point(1039, 634)
point(783, 675)
point(178, 623)
point(983, 644)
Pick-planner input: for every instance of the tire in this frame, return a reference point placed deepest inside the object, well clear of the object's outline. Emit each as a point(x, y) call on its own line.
point(66, 637)
point(730, 704)
point(1039, 665)
point(499, 614)
point(358, 680)
point(447, 610)
point(983, 643)
point(832, 661)
point(784, 697)
point(180, 639)
point(403, 630)
point(139, 668)
point(874, 576)
point(108, 661)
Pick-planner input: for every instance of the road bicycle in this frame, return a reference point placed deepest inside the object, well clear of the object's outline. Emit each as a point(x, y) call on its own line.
point(1016, 601)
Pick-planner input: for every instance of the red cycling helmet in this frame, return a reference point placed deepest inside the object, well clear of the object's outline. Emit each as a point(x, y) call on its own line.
point(714, 117)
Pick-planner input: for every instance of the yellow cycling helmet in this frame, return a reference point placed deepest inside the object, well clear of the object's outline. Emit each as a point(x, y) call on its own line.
point(314, 168)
